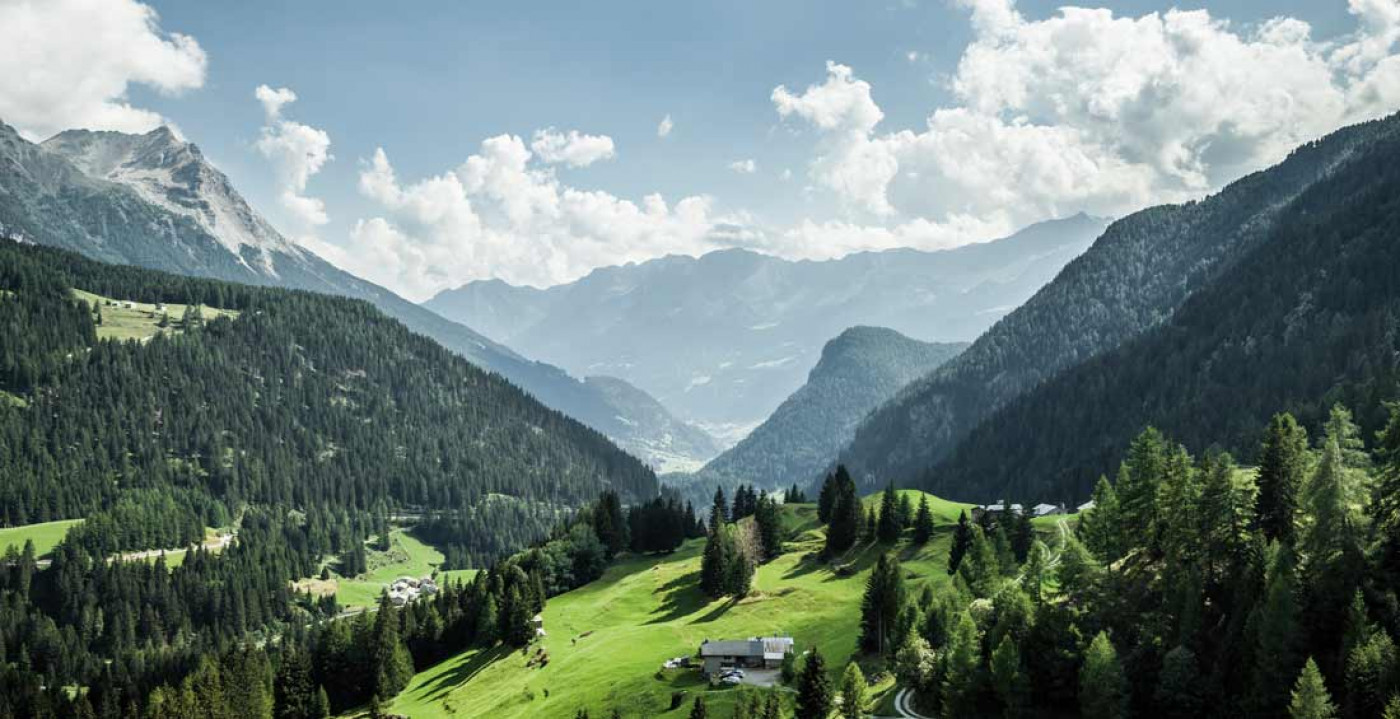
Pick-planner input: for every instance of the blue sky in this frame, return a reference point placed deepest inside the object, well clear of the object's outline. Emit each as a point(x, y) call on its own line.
point(428, 82)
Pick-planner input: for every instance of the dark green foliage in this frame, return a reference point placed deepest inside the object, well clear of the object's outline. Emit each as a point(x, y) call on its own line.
point(697, 710)
point(844, 526)
point(1103, 689)
point(962, 540)
point(889, 525)
point(814, 694)
point(880, 606)
point(923, 524)
point(1282, 467)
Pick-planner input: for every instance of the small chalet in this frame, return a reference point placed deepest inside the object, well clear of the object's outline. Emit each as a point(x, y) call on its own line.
point(1047, 510)
point(751, 653)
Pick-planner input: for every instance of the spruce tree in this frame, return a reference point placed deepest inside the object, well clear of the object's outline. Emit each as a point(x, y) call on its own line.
point(1180, 690)
point(888, 525)
point(1277, 637)
point(1103, 688)
point(962, 540)
point(826, 499)
point(712, 563)
point(1283, 461)
point(846, 515)
point(814, 688)
point(852, 692)
point(719, 510)
point(1310, 699)
point(392, 667)
point(880, 605)
point(906, 511)
point(1008, 678)
point(923, 523)
point(961, 667)
point(1101, 526)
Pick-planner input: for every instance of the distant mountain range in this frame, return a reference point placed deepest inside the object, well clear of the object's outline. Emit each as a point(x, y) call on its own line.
point(1203, 317)
point(153, 200)
point(858, 370)
point(722, 340)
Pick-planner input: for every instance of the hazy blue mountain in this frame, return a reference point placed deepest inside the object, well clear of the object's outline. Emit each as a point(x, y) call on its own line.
point(858, 370)
point(1134, 279)
point(723, 339)
point(153, 200)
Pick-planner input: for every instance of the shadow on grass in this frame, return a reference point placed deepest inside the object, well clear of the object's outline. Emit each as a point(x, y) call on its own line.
point(717, 612)
point(463, 673)
point(682, 598)
point(810, 562)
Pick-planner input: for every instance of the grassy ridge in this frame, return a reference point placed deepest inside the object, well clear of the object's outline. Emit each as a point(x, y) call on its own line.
point(607, 640)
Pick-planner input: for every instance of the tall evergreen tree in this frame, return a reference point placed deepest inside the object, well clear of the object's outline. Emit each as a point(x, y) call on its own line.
point(719, 509)
point(853, 692)
point(1283, 460)
point(961, 666)
point(846, 515)
point(962, 540)
point(881, 605)
point(1102, 526)
point(888, 525)
point(923, 523)
point(826, 499)
point(698, 710)
point(1310, 699)
point(1008, 678)
point(813, 688)
point(1103, 688)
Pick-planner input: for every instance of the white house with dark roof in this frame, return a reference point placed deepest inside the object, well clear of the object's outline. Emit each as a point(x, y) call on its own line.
point(751, 653)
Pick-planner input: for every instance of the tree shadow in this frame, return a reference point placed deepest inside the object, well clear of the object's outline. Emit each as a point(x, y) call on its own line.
point(464, 672)
point(682, 598)
point(810, 562)
point(717, 612)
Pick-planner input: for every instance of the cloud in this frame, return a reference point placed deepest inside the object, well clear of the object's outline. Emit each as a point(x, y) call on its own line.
point(505, 213)
point(744, 167)
point(572, 149)
point(297, 152)
point(1089, 111)
point(69, 64)
point(664, 129)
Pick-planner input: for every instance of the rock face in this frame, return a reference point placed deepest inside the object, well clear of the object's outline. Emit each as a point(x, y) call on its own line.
point(722, 340)
point(155, 201)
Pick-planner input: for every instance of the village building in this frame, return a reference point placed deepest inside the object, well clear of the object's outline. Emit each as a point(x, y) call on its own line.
point(1047, 510)
point(1085, 506)
point(751, 653)
point(405, 590)
point(994, 510)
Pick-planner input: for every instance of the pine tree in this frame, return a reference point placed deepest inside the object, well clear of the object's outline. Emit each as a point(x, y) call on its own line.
point(1008, 679)
point(719, 510)
point(826, 499)
point(961, 664)
point(712, 563)
point(392, 666)
point(923, 523)
point(1371, 675)
point(1179, 693)
point(980, 570)
point(770, 527)
point(852, 692)
point(906, 511)
point(844, 528)
point(773, 708)
point(1101, 526)
point(1033, 574)
point(962, 541)
point(294, 692)
point(1276, 636)
point(880, 605)
point(697, 710)
point(813, 688)
point(1385, 505)
point(1310, 697)
point(888, 526)
point(1283, 461)
point(1103, 688)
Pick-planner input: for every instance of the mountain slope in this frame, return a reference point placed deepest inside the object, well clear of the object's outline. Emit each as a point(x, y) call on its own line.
point(858, 370)
point(723, 339)
point(1133, 279)
point(1306, 319)
point(293, 399)
point(153, 200)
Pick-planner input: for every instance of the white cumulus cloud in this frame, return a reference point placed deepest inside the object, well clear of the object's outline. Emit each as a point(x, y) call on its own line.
point(665, 127)
point(1086, 110)
point(297, 152)
point(505, 213)
point(573, 148)
point(69, 64)
point(744, 167)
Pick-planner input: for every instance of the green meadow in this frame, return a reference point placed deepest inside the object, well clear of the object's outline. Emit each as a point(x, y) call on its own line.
point(607, 641)
point(45, 535)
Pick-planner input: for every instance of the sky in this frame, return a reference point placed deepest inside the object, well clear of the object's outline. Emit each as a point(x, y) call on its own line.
point(438, 142)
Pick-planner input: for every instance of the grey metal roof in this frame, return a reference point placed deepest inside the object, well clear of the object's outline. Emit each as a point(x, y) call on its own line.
point(732, 648)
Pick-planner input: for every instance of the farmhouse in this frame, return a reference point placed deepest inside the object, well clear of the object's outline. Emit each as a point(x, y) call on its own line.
point(754, 652)
point(1047, 510)
point(997, 509)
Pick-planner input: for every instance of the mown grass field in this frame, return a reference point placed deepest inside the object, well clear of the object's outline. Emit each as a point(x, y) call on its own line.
point(141, 321)
point(45, 535)
point(606, 641)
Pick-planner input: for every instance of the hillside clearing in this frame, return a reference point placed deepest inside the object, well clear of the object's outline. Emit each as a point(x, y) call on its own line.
point(127, 320)
point(45, 535)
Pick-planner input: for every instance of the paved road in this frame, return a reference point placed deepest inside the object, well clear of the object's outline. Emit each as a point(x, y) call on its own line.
point(904, 704)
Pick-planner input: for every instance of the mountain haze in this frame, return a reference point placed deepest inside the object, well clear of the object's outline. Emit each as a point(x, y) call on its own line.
point(1134, 278)
point(858, 370)
point(153, 200)
point(723, 339)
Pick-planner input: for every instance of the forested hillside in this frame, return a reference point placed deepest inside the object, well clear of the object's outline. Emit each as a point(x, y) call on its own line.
point(155, 201)
point(1308, 318)
point(303, 401)
point(1133, 279)
point(858, 370)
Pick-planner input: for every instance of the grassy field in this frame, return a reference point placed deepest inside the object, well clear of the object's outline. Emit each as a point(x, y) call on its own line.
point(406, 557)
point(45, 536)
point(140, 321)
point(607, 640)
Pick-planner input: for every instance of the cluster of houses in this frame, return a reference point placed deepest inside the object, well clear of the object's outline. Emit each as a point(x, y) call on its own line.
point(751, 653)
point(406, 589)
point(1039, 510)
